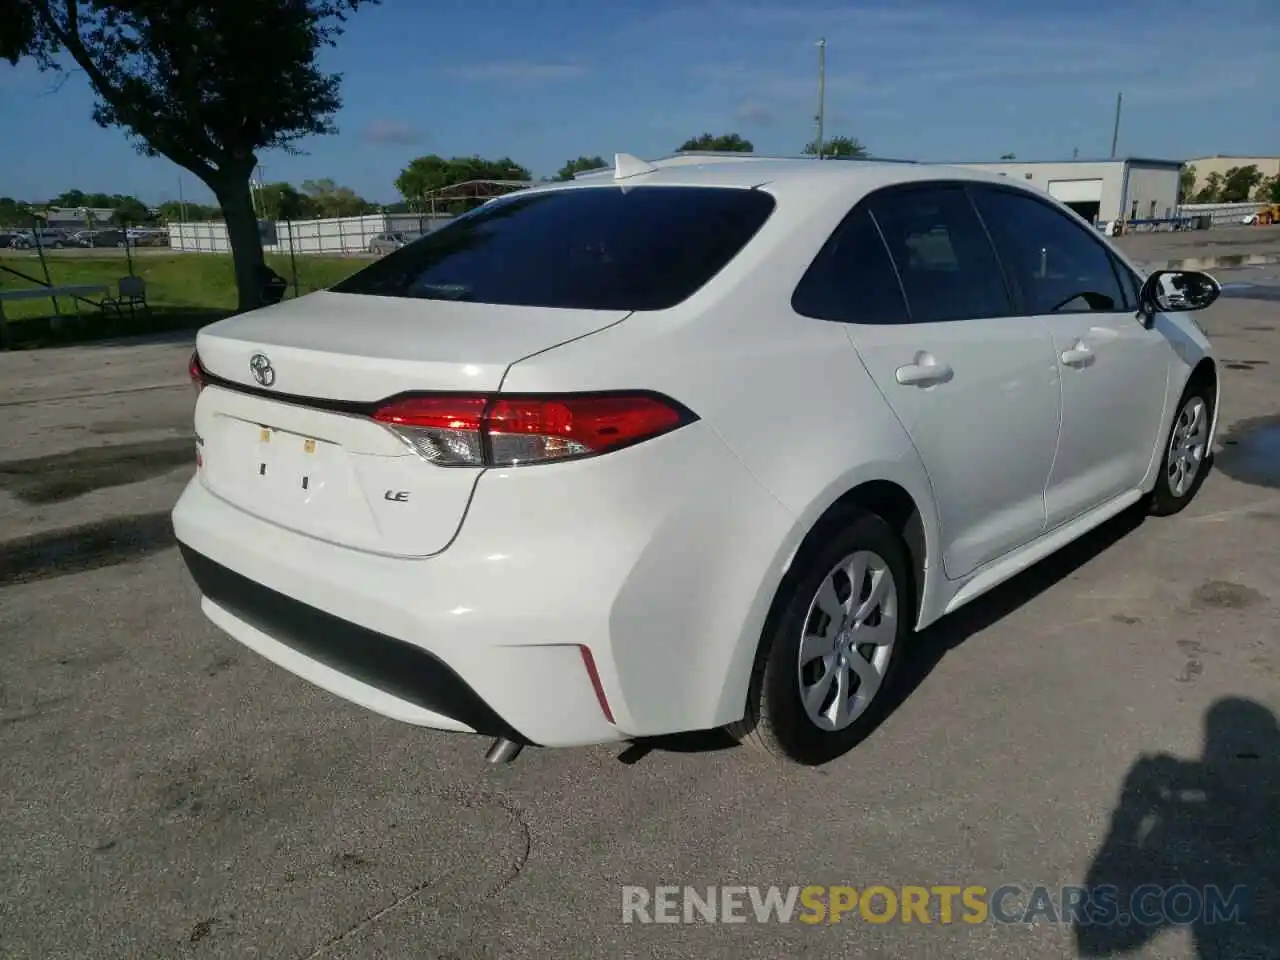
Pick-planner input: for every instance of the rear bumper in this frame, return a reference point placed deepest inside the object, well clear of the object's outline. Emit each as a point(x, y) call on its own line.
point(661, 562)
point(378, 670)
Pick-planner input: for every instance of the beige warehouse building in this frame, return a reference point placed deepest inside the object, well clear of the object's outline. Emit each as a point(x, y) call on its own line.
point(1133, 188)
point(1221, 163)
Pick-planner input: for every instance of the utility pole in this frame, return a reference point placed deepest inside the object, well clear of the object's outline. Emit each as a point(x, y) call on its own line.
point(822, 91)
point(1115, 131)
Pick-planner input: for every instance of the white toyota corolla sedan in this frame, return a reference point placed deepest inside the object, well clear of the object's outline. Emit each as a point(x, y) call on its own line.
point(688, 444)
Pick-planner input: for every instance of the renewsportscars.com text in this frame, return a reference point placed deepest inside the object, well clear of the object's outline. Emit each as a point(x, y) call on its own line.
point(1147, 905)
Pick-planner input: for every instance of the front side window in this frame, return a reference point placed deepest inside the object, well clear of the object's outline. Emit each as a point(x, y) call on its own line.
point(948, 268)
point(1059, 266)
point(593, 248)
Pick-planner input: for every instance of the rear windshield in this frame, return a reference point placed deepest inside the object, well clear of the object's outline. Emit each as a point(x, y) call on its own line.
point(588, 248)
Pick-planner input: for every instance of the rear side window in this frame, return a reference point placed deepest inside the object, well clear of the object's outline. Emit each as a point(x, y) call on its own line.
point(852, 279)
point(595, 248)
point(948, 267)
point(1059, 265)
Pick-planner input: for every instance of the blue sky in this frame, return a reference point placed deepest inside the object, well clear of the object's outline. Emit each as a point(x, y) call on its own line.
point(545, 81)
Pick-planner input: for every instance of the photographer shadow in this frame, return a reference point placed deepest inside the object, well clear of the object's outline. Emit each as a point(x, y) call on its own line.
point(1213, 822)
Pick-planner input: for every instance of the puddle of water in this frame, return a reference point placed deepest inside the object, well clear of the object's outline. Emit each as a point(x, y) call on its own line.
point(1251, 452)
point(89, 547)
point(64, 476)
point(1245, 364)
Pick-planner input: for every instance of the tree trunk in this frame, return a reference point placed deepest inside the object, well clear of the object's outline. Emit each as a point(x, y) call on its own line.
point(242, 233)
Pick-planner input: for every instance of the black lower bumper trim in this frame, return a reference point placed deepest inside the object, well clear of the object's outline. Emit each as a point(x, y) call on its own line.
point(398, 668)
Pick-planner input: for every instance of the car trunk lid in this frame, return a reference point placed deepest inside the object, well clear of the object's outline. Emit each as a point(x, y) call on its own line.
point(284, 424)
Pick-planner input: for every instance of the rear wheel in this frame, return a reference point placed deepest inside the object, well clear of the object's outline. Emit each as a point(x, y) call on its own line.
point(1186, 452)
point(832, 647)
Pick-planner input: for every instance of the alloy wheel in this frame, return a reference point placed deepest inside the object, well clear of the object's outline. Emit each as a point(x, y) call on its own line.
point(1187, 446)
point(848, 640)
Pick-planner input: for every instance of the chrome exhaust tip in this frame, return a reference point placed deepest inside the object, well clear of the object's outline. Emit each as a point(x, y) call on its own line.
point(503, 750)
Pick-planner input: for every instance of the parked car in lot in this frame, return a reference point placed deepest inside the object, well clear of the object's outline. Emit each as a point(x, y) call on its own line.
point(148, 237)
point(26, 240)
point(97, 238)
point(386, 242)
point(688, 445)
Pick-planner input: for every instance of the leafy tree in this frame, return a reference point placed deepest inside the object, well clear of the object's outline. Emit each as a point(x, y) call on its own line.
point(723, 143)
point(1211, 192)
point(71, 198)
point(580, 165)
point(206, 83)
point(425, 176)
point(283, 201)
point(15, 213)
point(129, 210)
point(1186, 181)
point(171, 211)
point(1269, 190)
point(327, 199)
point(1239, 182)
point(125, 209)
point(837, 147)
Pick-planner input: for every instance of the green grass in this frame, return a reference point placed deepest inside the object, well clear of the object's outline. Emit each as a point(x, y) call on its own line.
point(199, 282)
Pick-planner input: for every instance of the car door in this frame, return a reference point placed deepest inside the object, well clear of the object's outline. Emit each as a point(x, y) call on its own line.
point(1113, 369)
point(914, 275)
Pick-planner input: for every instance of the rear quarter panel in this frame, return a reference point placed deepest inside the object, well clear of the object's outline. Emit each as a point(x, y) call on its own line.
point(786, 394)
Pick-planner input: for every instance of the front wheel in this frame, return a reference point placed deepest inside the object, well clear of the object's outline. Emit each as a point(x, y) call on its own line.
point(833, 645)
point(1186, 452)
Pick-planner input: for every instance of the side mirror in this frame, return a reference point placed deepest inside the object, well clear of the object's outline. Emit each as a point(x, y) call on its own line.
point(1177, 291)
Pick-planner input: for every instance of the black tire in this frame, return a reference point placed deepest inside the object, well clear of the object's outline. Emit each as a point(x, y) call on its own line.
point(775, 719)
point(1165, 500)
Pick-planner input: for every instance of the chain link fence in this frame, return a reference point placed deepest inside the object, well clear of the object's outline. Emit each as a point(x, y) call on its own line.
point(186, 265)
point(312, 254)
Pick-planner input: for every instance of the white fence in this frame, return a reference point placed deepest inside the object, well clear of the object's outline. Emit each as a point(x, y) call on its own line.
point(1220, 214)
point(333, 236)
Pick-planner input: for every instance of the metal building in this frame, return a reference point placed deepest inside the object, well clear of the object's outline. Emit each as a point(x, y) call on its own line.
point(1134, 189)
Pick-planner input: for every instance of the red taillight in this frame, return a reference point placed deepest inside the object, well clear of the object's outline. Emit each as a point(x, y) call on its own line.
point(501, 431)
point(196, 372)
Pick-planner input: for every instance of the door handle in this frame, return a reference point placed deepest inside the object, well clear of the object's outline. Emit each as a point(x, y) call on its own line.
point(925, 371)
point(1078, 356)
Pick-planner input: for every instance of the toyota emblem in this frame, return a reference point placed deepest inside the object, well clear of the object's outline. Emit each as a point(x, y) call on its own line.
point(262, 370)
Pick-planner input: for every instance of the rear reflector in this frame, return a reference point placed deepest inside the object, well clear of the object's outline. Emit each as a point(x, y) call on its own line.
point(500, 431)
point(589, 662)
point(196, 372)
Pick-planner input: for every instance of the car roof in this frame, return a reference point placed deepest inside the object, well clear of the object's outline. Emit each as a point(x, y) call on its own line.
point(805, 175)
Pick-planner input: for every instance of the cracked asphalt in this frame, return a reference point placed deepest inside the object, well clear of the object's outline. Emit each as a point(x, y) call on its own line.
point(1109, 717)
